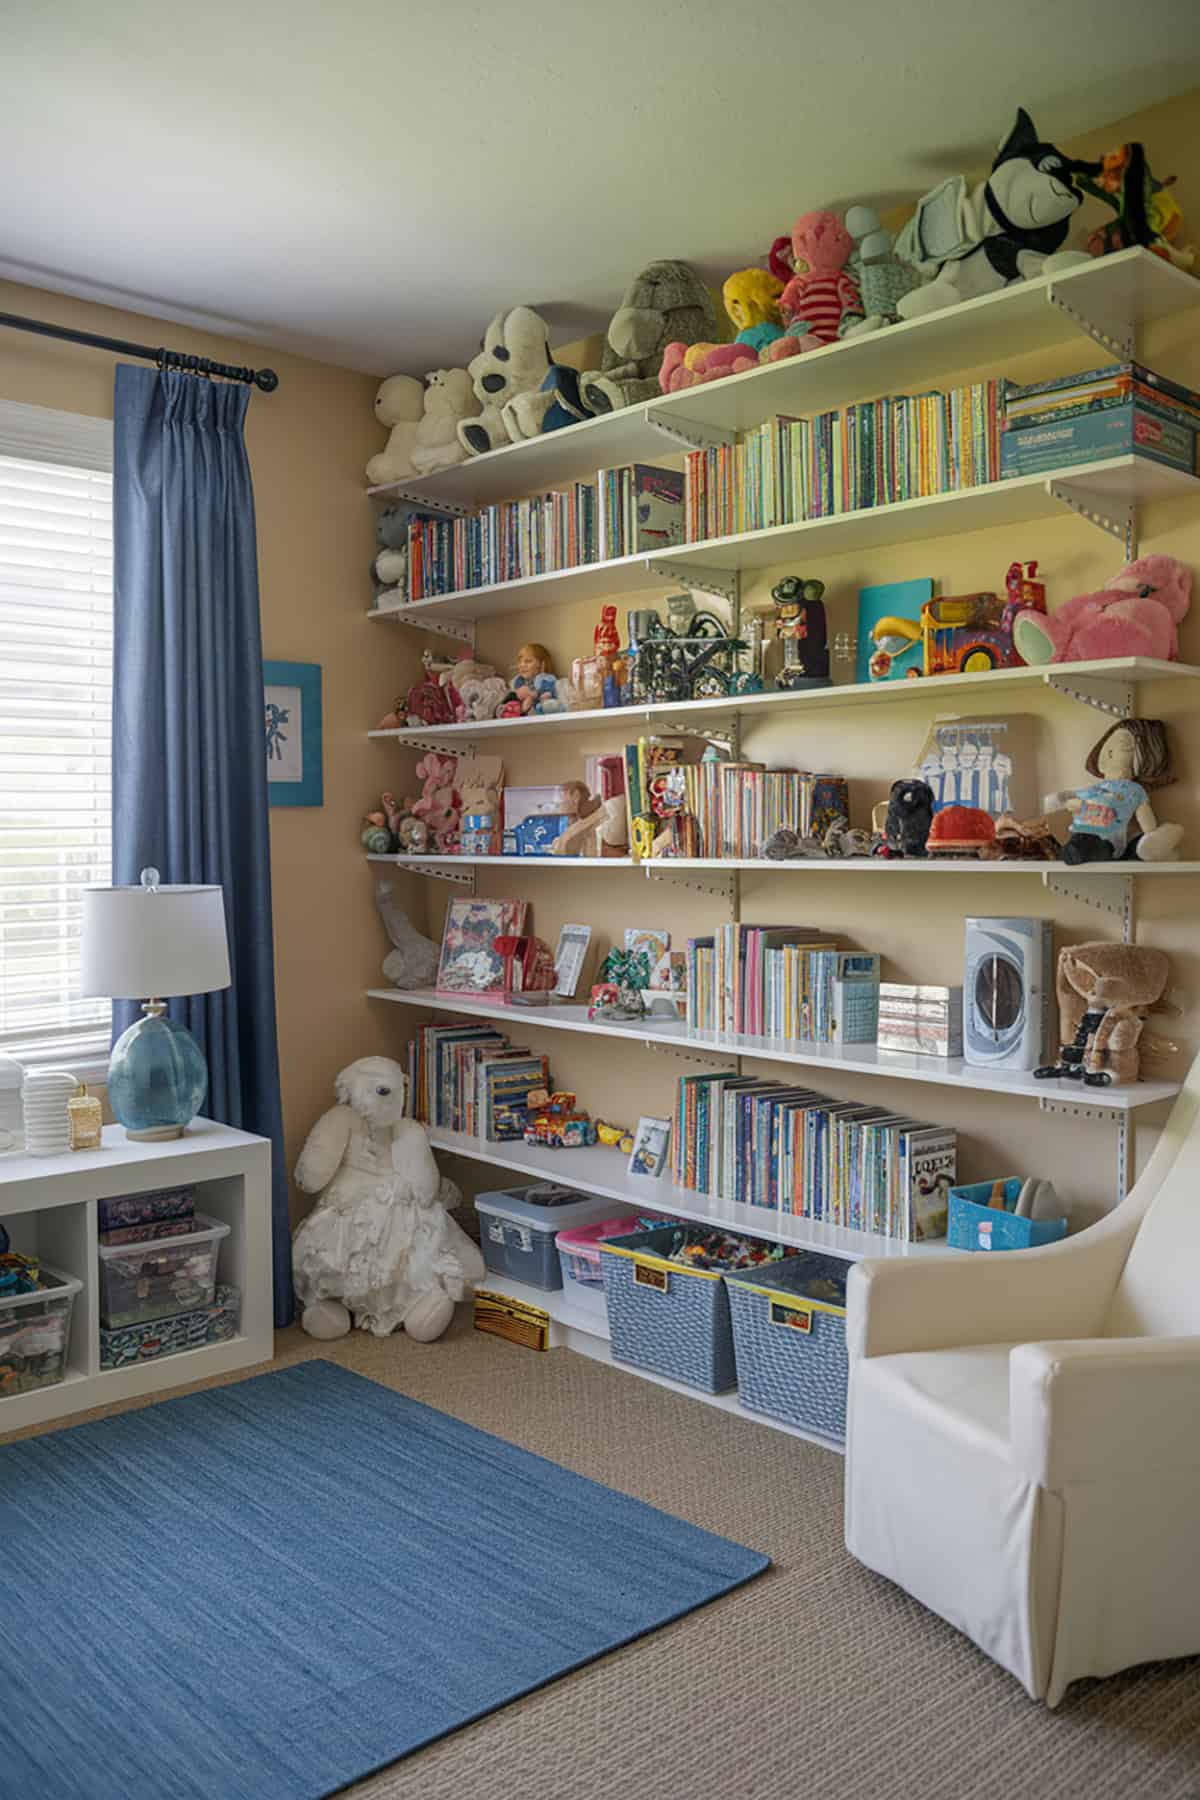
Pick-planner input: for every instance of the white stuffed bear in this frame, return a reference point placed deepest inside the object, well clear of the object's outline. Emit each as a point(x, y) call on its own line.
point(398, 405)
point(513, 359)
point(449, 397)
point(379, 1244)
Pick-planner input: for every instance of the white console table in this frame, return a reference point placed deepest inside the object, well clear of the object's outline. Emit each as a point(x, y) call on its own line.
point(48, 1208)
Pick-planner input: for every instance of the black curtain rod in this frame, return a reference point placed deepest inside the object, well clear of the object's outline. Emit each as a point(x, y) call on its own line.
point(265, 379)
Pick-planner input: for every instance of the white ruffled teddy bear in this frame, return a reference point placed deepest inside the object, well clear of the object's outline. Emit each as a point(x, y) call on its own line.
point(379, 1244)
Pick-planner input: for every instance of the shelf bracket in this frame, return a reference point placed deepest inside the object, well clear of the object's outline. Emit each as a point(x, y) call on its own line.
point(725, 582)
point(1121, 340)
point(447, 509)
point(438, 746)
point(705, 1059)
point(1118, 521)
point(1112, 894)
point(1113, 697)
point(463, 878)
point(692, 432)
point(1067, 1108)
point(460, 629)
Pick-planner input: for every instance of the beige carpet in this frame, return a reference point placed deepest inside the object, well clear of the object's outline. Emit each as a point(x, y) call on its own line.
point(819, 1679)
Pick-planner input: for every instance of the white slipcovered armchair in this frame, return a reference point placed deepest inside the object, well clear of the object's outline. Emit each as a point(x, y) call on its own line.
point(1023, 1442)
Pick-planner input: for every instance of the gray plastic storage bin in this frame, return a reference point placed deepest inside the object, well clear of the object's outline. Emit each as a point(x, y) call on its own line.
point(162, 1276)
point(789, 1334)
point(517, 1229)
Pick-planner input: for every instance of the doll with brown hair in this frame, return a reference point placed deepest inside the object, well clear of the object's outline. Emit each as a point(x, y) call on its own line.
point(1112, 817)
point(532, 662)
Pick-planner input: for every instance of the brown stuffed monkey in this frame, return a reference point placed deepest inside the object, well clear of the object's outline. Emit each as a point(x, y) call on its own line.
point(1105, 992)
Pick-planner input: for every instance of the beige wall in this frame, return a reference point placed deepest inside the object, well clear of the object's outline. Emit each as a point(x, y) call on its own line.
point(915, 922)
point(308, 444)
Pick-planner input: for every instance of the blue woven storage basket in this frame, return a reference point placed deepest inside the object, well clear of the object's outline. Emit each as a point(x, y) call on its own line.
point(664, 1317)
point(974, 1225)
point(791, 1347)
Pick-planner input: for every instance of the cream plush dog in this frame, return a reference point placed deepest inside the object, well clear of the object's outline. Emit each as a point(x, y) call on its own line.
point(398, 405)
point(513, 359)
point(379, 1244)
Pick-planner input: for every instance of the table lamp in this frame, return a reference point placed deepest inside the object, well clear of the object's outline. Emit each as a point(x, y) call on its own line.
point(152, 940)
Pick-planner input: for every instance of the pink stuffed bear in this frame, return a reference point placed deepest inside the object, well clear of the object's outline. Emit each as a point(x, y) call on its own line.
point(439, 805)
point(820, 295)
point(1135, 615)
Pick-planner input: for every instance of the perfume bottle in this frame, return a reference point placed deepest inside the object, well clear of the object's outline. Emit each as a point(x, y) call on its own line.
point(86, 1120)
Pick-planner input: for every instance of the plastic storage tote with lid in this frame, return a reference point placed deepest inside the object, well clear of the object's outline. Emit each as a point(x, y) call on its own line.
point(517, 1228)
point(161, 1276)
point(35, 1332)
point(579, 1248)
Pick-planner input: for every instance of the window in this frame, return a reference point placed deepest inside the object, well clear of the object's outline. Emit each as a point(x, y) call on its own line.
point(55, 722)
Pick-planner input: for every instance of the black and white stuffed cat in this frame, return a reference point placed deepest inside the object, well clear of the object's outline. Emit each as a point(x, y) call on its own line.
point(973, 241)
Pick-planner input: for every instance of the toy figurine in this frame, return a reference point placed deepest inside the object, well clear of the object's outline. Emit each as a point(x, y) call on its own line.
point(533, 662)
point(751, 298)
point(1105, 992)
point(909, 817)
point(801, 628)
point(1144, 212)
point(1131, 757)
point(606, 639)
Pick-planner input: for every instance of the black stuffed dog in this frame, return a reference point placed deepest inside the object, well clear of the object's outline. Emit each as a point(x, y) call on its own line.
point(909, 816)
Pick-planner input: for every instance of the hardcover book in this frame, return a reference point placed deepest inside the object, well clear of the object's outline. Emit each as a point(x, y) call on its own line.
point(470, 962)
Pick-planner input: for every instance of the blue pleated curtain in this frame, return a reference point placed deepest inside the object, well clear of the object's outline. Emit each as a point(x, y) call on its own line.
point(189, 769)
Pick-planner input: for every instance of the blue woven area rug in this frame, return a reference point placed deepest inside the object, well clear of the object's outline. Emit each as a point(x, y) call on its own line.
point(266, 1591)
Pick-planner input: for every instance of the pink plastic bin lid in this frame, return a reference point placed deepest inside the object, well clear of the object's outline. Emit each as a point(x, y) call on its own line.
point(584, 1240)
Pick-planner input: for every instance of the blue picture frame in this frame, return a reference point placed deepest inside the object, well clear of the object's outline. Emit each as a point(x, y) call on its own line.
point(292, 727)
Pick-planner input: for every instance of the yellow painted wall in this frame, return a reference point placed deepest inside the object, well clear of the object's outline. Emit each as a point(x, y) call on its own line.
point(308, 444)
point(915, 922)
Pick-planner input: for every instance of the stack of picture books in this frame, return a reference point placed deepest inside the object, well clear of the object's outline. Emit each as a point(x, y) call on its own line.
point(640, 508)
point(736, 806)
point(875, 453)
point(796, 1151)
point(782, 981)
point(1105, 412)
point(471, 1078)
point(507, 542)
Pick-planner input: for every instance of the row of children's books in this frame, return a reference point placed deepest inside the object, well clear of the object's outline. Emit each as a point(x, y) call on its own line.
point(875, 453)
point(470, 1078)
point(709, 807)
point(640, 508)
point(782, 981)
point(797, 1151)
point(507, 542)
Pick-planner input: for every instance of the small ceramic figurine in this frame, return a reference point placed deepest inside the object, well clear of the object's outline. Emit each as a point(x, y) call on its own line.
point(606, 638)
point(801, 628)
point(1112, 817)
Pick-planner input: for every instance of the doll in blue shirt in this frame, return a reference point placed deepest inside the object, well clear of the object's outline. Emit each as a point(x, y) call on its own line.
point(1112, 817)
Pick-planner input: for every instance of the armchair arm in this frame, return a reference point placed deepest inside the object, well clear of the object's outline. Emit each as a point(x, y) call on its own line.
point(1096, 1409)
point(1010, 1296)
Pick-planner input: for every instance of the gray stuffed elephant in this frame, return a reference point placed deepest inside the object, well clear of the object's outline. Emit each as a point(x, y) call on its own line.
point(665, 303)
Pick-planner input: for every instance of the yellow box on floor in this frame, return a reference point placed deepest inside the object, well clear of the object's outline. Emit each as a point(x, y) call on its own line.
point(512, 1319)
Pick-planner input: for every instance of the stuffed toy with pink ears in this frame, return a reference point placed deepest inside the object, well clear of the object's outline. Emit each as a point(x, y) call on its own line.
point(1137, 614)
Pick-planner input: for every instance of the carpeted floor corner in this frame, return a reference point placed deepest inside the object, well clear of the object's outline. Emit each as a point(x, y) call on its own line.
point(817, 1673)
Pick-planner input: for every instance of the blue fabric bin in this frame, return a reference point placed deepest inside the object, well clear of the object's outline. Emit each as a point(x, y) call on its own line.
point(976, 1225)
point(664, 1316)
point(789, 1334)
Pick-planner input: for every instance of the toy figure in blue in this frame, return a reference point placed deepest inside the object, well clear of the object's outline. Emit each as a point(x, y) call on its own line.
point(1112, 817)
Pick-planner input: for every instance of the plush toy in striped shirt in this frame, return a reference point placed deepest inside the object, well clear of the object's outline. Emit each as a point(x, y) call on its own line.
point(820, 299)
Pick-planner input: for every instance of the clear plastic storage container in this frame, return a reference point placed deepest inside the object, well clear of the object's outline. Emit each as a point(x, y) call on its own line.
point(517, 1229)
point(164, 1276)
point(35, 1334)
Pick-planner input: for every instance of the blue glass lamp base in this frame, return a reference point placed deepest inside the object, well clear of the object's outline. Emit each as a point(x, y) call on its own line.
point(157, 1078)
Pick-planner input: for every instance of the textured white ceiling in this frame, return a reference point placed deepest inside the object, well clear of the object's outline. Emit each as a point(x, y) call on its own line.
point(368, 182)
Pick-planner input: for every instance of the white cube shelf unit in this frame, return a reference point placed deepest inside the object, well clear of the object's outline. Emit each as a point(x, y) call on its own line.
point(48, 1208)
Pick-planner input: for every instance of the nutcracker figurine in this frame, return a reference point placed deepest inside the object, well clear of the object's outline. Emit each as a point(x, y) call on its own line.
point(801, 628)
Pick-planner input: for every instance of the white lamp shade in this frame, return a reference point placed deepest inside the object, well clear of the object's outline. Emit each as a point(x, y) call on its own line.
point(141, 944)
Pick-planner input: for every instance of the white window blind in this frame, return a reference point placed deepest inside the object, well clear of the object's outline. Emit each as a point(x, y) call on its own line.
point(55, 720)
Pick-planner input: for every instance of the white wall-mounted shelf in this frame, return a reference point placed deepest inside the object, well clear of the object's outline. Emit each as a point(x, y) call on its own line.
point(1114, 674)
point(48, 1204)
point(1115, 296)
point(606, 1172)
point(1110, 489)
point(579, 1321)
point(506, 862)
point(762, 865)
point(849, 1059)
